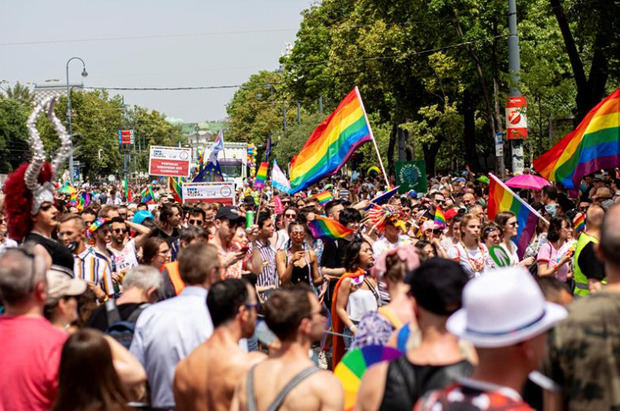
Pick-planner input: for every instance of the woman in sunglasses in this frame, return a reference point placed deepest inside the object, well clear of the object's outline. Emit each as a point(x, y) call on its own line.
point(297, 263)
point(507, 221)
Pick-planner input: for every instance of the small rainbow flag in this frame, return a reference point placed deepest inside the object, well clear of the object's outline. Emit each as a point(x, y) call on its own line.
point(328, 229)
point(501, 198)
point(579, 222)
point(593, 145)
point(175, 188)
point(261, 175)
point(147, 195)
point(440, 218)
point(324, 197)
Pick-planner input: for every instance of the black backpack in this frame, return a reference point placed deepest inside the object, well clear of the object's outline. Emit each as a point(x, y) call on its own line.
point(122, 330)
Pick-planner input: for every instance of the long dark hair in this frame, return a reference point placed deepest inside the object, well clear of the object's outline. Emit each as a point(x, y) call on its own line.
point(87, 379)
point(555, 227)
point(351, 259)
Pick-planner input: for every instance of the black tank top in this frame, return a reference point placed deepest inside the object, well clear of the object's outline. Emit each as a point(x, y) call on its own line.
point(407, 382)
point(62, 258)
point(300, 274)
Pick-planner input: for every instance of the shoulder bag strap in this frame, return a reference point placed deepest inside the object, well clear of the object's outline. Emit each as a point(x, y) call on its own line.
point(275, 405)
point(112, 312)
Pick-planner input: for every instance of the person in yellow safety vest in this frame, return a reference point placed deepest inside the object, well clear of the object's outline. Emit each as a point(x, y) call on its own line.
point(588, 269)
point(173, 284)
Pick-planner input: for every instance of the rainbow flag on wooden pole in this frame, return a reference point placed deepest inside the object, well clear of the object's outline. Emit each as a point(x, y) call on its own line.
point(502, 198)
point(593, 145)
point(332, 143)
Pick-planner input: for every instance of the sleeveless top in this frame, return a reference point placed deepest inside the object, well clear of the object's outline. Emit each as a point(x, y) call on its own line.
point(62, 258)
point(300, 274)
point(406, 382)
point(362, 301)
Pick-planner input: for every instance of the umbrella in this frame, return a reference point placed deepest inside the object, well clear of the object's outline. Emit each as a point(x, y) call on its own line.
point(355, 363)
point(528, 182)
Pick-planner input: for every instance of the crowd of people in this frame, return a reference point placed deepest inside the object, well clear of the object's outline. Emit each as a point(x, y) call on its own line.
point(161, 305)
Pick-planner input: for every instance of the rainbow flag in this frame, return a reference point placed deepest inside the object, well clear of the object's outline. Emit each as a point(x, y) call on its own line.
point(440, 218)
point(261, 175)
point(501, 198)
point(331, 143)
point(593, 145)
point(328, 229)
point(579, 222)
point(147, 195)
point(175, 188)
point(324, 197)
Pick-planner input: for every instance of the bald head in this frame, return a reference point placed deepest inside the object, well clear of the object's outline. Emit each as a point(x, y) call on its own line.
point(609, 245)
point(594, 217)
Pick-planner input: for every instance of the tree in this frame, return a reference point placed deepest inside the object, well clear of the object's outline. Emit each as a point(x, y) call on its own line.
point(14, 146)
point(20, 93)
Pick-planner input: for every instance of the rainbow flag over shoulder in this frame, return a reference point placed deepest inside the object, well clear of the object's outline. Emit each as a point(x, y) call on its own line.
point(328, 229)
point(593, 145)
point(440, 218)
point(501, 198)
point(324, 197)
point(331, 143)
point(261, 175)
point(175, 188)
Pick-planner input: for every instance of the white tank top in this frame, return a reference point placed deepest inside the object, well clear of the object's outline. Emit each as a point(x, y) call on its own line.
point(361, 301)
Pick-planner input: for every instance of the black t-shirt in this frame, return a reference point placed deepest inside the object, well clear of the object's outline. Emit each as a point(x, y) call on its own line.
point(333, 251)
point(99, 317)
point(589, 263)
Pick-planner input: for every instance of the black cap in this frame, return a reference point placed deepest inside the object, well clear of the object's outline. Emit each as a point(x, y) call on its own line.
point(229, 213)
point(437, 285)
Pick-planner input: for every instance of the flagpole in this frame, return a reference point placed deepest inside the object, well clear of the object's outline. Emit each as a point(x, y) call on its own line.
point(497, 180)
point(372, 137)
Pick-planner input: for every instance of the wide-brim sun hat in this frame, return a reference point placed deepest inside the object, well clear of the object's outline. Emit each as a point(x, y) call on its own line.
point(503, 307)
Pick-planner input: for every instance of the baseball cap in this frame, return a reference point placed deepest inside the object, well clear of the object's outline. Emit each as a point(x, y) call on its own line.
point(61, 285)
point(229, 213)
point(503, 307)
point(437, 285)
point(142, 215)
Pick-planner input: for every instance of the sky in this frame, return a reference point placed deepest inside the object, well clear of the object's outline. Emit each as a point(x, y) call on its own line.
point(148, 43)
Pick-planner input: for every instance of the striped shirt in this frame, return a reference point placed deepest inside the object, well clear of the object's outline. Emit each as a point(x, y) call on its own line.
point(269, 276)
point(91, 266)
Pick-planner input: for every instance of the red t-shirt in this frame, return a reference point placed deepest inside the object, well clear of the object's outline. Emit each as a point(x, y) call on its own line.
point(30, 349)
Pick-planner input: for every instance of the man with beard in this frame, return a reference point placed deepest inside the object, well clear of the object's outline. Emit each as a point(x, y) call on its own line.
point(206, 379)
point(125, 254)
point(290, 380)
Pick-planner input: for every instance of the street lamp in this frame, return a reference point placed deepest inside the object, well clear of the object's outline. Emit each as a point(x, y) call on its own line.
point(84, 74)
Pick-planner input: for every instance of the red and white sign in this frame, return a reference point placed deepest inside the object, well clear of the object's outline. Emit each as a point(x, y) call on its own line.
point(223, 193)
point(516, 118)
point(169, 161)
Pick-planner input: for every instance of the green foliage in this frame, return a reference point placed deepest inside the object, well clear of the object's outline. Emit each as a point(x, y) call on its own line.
point(13, 133)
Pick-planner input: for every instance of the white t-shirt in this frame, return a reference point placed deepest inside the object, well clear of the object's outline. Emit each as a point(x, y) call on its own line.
point(125, 259)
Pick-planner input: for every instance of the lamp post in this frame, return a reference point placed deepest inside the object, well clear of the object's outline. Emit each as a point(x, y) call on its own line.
point(84, 74)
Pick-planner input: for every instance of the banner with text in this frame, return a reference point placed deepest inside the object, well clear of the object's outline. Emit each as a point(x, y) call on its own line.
point(209, 193)
point(169, 161)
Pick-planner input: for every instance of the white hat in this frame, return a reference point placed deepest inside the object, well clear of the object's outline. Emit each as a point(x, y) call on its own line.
point(61, 285)
point(503, 307)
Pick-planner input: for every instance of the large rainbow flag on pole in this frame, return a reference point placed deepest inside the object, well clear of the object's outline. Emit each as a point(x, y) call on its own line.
point(332, 143)
point(502, 198)
point(593, 145)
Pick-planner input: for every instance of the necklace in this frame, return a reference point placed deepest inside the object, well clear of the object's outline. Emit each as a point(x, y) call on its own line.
point(476, 264)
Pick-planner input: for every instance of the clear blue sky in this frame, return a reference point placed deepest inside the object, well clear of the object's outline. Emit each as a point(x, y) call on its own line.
point(148, 43)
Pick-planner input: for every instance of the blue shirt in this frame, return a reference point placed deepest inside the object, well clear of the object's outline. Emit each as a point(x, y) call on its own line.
point(166, 333)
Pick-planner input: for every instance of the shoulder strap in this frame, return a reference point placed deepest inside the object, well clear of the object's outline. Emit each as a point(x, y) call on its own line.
point(136, 313)
point(275, 405)
point(250, 398)
point(390, 316)
point(112, 312)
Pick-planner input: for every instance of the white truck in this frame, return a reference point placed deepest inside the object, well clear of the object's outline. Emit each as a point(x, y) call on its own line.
point(233, 161)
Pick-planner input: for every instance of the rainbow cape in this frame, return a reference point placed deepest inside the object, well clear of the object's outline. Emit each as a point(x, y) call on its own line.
point(328, 229)
point(440, 218)
point(261, 175)
point(331, 143)
point(175, 188)
point(593, 145)
point(579, 222)
point(324, 197)
point(501, 198)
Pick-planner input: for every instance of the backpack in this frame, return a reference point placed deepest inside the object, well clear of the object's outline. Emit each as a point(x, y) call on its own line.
point(122, 330)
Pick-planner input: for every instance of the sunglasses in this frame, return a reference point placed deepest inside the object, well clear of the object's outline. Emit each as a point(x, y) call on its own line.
point(250, 306)
point(195, 222)
point(437, 231)
point(290, 215)
point(118, 231)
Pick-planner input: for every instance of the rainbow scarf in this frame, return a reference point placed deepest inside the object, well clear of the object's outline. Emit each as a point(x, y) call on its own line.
point(261, 175)
point(331, 143)
point(501, 198)
point(440, 218)
point(593, 145)
point(328, 229)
